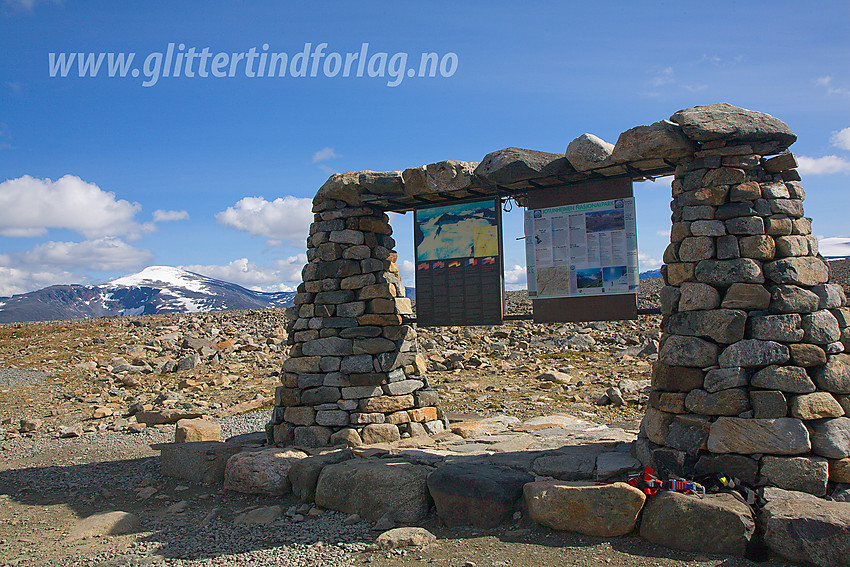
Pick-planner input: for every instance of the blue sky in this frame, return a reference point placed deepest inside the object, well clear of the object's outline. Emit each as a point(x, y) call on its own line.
point(101, 176)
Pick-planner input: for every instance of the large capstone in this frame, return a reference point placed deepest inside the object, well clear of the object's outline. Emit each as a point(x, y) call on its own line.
point(723, 121)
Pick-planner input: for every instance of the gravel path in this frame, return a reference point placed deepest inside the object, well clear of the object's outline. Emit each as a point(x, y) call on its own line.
point(18, 377)
point(107, 444)
point(80, 476)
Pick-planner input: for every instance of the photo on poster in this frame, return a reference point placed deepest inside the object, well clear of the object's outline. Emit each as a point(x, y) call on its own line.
point(589, 278)
point(611, 219)
point(615, 276)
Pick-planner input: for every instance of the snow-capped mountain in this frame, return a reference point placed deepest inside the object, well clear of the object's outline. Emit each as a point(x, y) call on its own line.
point(156, 289)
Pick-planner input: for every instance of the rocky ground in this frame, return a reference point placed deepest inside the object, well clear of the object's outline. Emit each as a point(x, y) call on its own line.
point(82, 402)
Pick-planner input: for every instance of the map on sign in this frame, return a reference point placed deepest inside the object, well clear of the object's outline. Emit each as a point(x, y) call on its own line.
point(582, 249)
point(469, 230)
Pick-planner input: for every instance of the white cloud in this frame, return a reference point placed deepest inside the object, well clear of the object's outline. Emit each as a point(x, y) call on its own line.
point(516, 274)
point(53, 263)
point(167, 216)
point(834, 246)
point(324, 155)
point(27, 5)
point(841, 139)
point(717, 61)
point(827, 83)
point(30, 206)
point(286, 218)
point(664, 232)
point(663, 77)
point(407, 271)
point(17, 277)
point(823, 165)
point(515, 278)
point(102, 254)
point(15, 280)
point(647, 262)
point(665, 82)
point(284, 275)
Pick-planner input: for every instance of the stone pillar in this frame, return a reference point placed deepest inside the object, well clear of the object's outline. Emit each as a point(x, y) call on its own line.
point(751, 380)
point(353, 374)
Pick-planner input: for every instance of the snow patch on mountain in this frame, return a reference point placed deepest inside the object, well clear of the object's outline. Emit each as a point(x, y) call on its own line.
point(160, 276)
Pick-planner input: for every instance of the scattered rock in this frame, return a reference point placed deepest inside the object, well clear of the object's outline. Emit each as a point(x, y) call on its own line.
point(198, 462)
point(263, 515)
point(70, 431)
point(189, 430)
point(383, 524)
point(163, 416)
point(106, 523)
point(804, 528)
point(373, 488)
point(29, 425)
point(261, 472)
point(718, 523)
point(476, 494)
point(404, 537)
point(606, 510)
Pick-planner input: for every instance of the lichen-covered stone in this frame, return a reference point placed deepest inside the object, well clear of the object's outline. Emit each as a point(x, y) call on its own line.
point(746, 296)
point(805, 271)
point(780, 436)
point(791, 379)
point(750, 353)
point(660, 140)
point(834, 376)
point(730, 123)
point(728, 272)
point(678, 350)
point(816, 405)
point(721, 325)
point(588, 152)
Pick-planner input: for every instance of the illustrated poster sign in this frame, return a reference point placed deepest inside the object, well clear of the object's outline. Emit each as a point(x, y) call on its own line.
point(458, 264)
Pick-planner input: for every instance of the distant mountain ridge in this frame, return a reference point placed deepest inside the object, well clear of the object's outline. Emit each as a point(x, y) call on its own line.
point(156, 289)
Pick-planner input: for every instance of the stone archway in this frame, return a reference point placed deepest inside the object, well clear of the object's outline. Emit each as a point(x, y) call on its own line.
point(750, 378)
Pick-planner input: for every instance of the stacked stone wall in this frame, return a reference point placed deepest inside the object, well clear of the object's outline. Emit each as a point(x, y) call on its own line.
point(353, 374)
point(751, 378)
